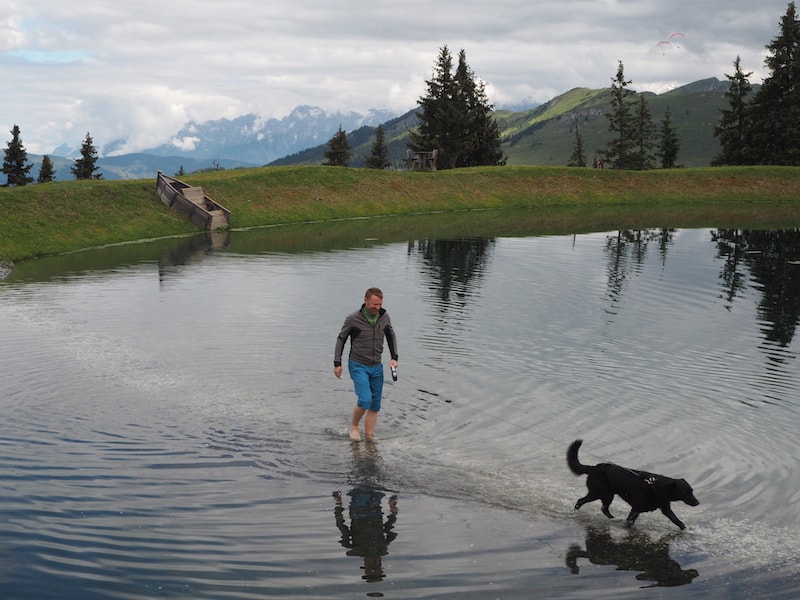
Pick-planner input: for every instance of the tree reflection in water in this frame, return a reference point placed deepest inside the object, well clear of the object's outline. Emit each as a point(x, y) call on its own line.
point(635, 552)
point(627, 251)
point(454, 264)
point(773, 258)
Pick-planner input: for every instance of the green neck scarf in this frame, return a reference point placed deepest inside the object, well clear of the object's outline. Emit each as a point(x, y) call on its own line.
point(370, 318)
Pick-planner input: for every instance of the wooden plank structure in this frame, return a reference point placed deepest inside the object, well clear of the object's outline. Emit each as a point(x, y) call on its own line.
point(192, 202)
point(421, 161)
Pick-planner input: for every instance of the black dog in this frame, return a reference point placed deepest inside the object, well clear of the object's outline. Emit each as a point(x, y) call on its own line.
point(643, 491)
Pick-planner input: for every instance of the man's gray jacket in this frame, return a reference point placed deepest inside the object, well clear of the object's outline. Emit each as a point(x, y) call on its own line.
point(366, 341)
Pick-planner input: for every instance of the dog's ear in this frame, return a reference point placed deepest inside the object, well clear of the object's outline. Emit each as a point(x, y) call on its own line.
point(687, 493)
point(679, 489)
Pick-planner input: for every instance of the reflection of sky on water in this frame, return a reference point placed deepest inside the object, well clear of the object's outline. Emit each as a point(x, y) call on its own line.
point(528, 350)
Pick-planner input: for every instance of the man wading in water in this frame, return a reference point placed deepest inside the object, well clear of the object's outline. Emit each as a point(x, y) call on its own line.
point(366, 329)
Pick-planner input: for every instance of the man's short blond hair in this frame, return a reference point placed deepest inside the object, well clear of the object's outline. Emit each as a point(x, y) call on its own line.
point(373, 291)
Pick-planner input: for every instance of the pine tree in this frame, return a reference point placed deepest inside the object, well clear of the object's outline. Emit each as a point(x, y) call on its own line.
point(670, 142)
point(480, 134)
point(774, 132)
point(438, 125)
point(455, 118)
point(733, 122)
point(620, 150)
point(15, 163)
point(84, 167)
point(46, 172)
point(643, 134)
point(578, 157)
point(379, 157)
point(339, 154)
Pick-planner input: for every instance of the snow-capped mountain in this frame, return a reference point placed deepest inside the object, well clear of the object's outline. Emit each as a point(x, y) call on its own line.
point(250, 139)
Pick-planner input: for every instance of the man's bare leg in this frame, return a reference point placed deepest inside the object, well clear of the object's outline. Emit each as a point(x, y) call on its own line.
point(370, 421)
point(358, 413)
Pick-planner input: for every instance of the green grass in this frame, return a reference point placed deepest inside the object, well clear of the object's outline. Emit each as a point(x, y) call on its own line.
point(66, 216)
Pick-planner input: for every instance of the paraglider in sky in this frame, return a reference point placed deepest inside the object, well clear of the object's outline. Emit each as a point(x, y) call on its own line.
point(672, 43)
point(664, 46)
point(676, 37)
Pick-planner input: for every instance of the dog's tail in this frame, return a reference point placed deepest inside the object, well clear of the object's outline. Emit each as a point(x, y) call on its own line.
point(572, 459)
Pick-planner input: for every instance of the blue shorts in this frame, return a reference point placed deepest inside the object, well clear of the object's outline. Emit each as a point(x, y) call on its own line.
point(368, 382)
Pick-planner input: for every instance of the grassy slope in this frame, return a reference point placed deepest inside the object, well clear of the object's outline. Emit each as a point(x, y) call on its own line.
point(65, 216)
point(62, 216)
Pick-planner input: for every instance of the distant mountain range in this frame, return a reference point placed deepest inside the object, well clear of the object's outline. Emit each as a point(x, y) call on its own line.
point(543, 135)
point(251, 140)
point(246, 141)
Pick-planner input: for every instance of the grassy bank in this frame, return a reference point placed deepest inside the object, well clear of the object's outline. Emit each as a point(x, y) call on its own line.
point(71, 215)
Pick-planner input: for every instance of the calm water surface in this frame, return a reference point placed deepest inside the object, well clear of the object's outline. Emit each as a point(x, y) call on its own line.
point(172, 427)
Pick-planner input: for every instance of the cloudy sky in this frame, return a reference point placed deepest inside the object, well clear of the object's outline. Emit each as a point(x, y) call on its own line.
point(139, 69)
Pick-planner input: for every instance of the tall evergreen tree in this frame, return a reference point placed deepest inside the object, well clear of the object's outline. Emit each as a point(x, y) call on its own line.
point(620, 150)
point(774, 132)
point(339, 154)
point(85, 166)
point(670, 143)
point(643, 136)
point(438, 122)
point(578, 157)
point(455, 117)
point(480, 134)
point(379, 157)
point(15, 163)
point(46, 172)
point(733, 122)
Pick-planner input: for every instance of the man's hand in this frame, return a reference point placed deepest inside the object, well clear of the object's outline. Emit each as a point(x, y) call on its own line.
point(338, 371)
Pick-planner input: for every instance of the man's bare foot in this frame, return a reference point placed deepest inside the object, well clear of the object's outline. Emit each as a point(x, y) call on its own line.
point(371, 437)
point(354, 434)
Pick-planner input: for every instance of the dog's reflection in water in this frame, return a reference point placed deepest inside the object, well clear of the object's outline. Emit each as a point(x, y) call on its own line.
point(634, 552)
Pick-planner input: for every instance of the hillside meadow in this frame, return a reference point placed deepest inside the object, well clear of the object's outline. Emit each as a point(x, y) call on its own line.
point(545, 135)
point(67, 216)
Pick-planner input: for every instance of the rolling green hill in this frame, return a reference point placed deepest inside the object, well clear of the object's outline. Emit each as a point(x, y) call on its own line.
point(545, 135)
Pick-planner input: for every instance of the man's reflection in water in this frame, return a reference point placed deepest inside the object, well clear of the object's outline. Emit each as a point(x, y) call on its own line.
point(368, 534)
point(635, 552)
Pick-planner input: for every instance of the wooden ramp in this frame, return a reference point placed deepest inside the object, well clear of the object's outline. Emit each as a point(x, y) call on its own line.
point(192, 202)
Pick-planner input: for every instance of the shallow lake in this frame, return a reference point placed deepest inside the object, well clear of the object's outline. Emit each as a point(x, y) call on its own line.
point(172, 427)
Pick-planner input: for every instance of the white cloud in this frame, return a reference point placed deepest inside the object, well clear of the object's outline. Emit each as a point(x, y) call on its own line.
point(185, 143)
point(12, 37)
point(138, 70)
